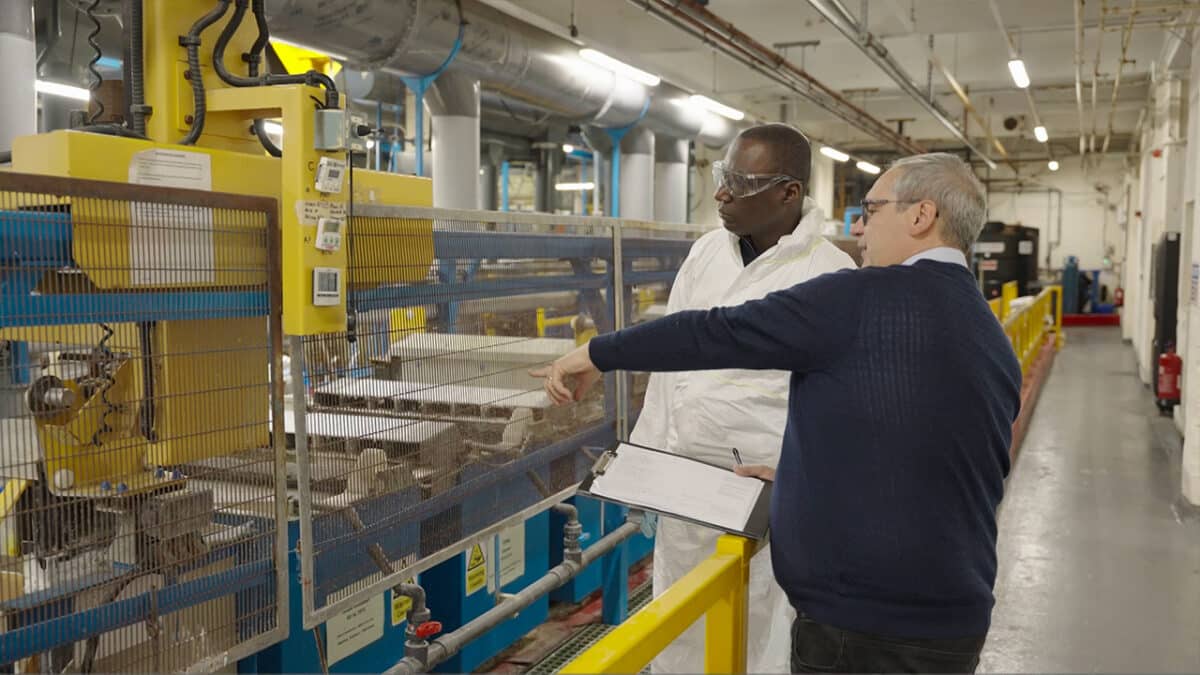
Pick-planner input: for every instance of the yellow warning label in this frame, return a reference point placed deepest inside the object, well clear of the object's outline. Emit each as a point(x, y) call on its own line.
point(476, 570)
point(401, 604)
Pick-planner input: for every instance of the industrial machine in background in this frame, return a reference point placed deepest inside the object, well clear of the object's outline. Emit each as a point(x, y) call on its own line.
point(173, 499)
point(1006, 253)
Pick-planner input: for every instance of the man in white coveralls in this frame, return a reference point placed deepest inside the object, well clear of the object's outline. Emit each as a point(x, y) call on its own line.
point(771, 241)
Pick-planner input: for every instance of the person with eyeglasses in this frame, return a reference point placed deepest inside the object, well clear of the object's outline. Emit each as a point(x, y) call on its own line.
point(771, 240)
point(903, 393)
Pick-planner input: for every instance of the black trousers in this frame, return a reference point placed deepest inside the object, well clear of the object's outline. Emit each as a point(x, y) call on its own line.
point(820, 648)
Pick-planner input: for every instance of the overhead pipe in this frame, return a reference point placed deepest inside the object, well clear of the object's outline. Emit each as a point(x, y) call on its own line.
point(506, 55)
point(1125, 36)
point(1012, 52)
point(1079, 75)
point(440, 649)
point(970, 108)
point(696, 20)
point(878, 53)
point(1096, 75)
point(453, 103)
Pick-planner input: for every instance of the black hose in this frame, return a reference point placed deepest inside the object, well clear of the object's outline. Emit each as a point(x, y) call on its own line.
point(253, 59)
point(137, 67)
point(97, 78)
point(192, 42)
point(312, 78)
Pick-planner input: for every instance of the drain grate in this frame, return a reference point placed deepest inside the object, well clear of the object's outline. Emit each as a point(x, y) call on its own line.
point(588, 635)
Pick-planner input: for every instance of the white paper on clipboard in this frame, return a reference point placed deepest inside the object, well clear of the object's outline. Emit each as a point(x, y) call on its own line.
point(677, 485)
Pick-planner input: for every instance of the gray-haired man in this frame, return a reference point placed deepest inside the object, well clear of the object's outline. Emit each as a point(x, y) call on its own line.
point(903, 392)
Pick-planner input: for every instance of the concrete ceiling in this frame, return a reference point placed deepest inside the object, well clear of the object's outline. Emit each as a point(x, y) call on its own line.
point(966, 39)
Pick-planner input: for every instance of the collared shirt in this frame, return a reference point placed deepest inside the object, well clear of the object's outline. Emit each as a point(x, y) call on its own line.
point(944, 254)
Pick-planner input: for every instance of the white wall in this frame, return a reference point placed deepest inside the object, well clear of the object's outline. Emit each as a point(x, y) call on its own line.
point(1189, 310)
point(1090, 227)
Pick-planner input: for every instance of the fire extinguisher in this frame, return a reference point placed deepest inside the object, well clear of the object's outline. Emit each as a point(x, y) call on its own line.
point(1170, 368)
point(1119, 297)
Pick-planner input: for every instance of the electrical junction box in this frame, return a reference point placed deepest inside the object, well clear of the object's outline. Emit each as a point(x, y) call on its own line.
point(339, 130)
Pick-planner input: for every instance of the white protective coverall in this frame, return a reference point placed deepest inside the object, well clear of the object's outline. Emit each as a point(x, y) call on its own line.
point(704, 414)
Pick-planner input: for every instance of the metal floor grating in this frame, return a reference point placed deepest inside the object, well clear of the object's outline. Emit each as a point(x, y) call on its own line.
point(588, 635)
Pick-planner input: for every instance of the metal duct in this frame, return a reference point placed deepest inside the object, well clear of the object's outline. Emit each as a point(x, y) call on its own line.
point(453, 103)
point(637, 174)
point(18, 107)
point(415, 37)
point(836, 15)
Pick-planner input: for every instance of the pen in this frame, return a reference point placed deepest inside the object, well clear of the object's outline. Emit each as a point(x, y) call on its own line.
point(737, 456)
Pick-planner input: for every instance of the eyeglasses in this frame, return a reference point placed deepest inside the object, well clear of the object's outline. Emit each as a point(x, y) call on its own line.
point(741, 185)
point(868, 204)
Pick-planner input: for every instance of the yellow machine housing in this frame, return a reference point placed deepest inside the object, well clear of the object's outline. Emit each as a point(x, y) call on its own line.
point(209, 355)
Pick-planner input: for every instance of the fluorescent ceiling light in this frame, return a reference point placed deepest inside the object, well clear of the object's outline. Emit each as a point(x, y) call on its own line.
point(566, 187)
point(1039, 132)
point(716, 107)
point(609, 63)
point(1017, 68)
point(370, 143)
point(64, 90)
point(568, 148)
point(867, 167)
point(835, 155)
point(1053, 164)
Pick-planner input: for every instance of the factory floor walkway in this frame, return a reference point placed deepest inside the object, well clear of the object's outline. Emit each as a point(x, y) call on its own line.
point(1099, 555)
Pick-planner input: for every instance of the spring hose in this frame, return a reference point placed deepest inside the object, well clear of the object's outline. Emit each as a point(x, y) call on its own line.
point(106, 358)
point(97, 78)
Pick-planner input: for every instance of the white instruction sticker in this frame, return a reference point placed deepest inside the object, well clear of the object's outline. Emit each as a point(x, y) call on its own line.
point(1025, 247)
point(311, 212)
point(991, 247)
point(354, 629)
point(511, 555)
point(168, 243)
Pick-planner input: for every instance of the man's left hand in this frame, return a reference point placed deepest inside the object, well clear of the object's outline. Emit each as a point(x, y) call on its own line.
point(577, 365)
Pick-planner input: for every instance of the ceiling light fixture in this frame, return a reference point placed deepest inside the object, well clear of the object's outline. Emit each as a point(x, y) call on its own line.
point(1053, 164)
point(1039, 132)
point(717, 107)
point(1020, 77)
point(567, 187)
point(568, 148)
point(835, 155)
point(867, 167)
point(609, 63)
point(63, 90)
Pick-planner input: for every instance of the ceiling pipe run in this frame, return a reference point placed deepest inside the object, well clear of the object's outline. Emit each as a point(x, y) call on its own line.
point(694, 19)
point(834, 12)
point(414, 37)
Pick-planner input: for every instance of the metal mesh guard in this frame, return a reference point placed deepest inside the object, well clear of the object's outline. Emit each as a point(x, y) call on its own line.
point(140, 489)
point(423, 430)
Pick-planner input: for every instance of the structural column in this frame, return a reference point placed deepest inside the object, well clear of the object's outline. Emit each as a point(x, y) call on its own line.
point(18, 106)
point(637, 174)
point(453, 103)
point(670, 180)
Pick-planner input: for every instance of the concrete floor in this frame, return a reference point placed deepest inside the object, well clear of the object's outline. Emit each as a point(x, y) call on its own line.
point(1099, 555)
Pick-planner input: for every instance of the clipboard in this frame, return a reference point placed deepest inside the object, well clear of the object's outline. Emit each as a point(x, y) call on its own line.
point(744, 517)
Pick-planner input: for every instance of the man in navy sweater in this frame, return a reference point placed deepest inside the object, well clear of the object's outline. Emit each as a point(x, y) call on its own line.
point(903, 393)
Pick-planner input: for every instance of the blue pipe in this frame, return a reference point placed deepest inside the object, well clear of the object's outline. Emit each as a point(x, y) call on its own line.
point(504, 185)
point(419, 86)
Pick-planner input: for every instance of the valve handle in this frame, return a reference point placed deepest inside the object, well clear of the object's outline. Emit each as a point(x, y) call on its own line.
point(429, 629)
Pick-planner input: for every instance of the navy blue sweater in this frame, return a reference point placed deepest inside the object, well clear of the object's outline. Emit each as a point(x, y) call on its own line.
point(903, 393)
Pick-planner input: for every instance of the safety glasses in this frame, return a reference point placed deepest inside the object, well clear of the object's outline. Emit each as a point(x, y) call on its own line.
point(741, 185)
point(869, 206)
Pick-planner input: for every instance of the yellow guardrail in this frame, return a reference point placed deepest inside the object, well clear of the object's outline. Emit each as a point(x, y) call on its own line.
point(1028, 327)
point(714, 589)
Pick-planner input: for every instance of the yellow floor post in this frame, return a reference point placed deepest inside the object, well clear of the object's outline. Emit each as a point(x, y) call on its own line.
point(726, 623)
